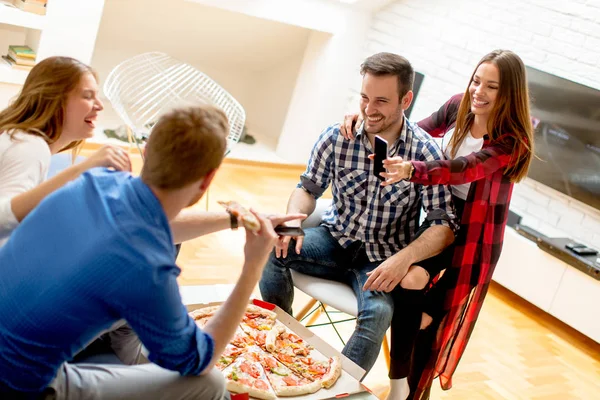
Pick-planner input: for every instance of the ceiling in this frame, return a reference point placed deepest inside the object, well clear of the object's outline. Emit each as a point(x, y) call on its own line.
point(197, 32)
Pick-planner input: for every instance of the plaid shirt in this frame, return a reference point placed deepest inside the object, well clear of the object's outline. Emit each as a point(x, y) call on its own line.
point(385, 219)
point(478, 245)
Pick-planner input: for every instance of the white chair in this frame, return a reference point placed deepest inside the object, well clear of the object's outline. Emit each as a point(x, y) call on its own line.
point(326, 292)
point(145, 86)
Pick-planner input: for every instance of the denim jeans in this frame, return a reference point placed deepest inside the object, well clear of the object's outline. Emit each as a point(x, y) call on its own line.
point(322, 256)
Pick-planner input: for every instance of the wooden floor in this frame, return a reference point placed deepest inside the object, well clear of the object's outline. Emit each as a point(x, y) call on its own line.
point(516, 352)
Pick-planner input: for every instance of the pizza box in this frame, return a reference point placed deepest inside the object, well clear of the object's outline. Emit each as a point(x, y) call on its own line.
point(347, 384)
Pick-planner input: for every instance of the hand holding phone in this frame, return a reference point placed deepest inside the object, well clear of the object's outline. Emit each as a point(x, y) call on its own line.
point(381, 153)
point(283, 230)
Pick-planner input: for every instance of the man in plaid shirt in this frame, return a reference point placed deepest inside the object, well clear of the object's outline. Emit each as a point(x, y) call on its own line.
point(367, 236)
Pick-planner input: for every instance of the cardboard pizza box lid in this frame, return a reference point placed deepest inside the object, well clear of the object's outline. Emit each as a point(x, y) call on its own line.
point(346, 385)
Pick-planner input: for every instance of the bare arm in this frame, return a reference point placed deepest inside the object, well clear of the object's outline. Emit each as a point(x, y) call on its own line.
point(191, 224)
point(431, 243)
point(301, 202)
point(223, 325)
point(108, 156)
point(390, 272)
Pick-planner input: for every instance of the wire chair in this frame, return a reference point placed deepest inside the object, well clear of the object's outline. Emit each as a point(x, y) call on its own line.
point(145, 86)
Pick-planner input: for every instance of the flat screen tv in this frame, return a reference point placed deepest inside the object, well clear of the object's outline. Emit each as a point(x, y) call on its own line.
point(566, 117)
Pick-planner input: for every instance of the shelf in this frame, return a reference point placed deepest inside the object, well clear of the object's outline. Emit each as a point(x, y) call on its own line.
point(10, 75)
point(14, 16)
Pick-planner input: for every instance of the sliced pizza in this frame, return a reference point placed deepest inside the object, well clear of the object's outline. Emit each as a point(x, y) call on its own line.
point(248, 219)
point(301, 357)
point(283, 380)
point(230, 354)
point(202, 315)
point(247, 376)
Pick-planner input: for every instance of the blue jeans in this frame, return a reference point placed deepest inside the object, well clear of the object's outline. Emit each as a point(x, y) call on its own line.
point(322, 256)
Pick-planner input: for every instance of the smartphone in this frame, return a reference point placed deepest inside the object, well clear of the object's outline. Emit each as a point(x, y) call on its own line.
point(381, 153)
point(282, 230)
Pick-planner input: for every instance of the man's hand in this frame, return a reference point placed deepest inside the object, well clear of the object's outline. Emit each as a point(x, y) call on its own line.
point(389, 273)
point(281, 248)
point(350, 121)
point(259, 245)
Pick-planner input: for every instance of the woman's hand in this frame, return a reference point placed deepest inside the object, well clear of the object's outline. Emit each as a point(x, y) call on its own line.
point(110, 157)
point(397, 170)
point(348, 126)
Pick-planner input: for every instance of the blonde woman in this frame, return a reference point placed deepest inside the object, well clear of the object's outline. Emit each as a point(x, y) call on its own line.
point(55, 111)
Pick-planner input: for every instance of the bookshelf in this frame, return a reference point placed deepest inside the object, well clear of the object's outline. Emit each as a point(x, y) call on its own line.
point(11, 75)
point(13, 16)
point(69, 28)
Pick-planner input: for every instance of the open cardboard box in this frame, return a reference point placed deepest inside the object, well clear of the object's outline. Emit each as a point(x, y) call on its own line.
point(347, 384)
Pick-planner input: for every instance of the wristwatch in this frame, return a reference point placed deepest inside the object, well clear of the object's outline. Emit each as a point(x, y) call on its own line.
point(233, 220)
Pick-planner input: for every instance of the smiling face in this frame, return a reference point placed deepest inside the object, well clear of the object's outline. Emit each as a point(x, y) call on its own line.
point(380, 103)
point(83, 106)
point(483, 89)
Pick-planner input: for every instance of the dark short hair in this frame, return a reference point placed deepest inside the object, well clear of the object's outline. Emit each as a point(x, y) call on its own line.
point(390, 64)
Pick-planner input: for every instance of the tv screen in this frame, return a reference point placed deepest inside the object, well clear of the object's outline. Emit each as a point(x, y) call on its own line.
point(566, 118)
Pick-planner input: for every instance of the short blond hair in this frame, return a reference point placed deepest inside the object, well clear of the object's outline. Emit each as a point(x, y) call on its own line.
point(184, 146)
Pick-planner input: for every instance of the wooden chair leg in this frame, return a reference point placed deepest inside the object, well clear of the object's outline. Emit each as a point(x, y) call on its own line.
point(311, 303)
point(315, 315)
point(386, 351)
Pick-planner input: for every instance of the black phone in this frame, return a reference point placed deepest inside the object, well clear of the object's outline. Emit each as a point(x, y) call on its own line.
point(381, 153)
point(282, 230)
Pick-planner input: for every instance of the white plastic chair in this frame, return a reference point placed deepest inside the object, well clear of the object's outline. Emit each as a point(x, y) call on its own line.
point(325, 292)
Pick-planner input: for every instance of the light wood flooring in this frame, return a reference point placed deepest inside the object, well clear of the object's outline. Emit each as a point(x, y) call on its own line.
point(516, 352)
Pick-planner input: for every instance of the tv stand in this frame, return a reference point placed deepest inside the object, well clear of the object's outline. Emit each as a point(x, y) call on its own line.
point(542, 271)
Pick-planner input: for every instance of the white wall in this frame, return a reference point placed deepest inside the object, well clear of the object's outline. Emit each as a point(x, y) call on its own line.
point(445, 39)
point(253, 59)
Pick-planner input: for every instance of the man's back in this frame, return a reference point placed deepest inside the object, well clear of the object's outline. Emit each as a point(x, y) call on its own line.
point(65, 271)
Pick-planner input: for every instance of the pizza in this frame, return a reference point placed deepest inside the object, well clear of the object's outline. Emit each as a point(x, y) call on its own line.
point(248, 219)
point(268, 360)
point(247, 376)
point(286, 382)
point(299, 356)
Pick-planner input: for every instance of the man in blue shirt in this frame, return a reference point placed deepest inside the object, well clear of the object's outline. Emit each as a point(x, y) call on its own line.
point(98, 253)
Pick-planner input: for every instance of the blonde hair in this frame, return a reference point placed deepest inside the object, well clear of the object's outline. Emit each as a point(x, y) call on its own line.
point(41, 105)
point(184, 146)
point(510, 116)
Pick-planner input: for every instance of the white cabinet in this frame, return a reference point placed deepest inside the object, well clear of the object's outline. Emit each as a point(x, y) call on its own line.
point(576, 303)
point(69, 28)
point(549, 283)
point(528, 271)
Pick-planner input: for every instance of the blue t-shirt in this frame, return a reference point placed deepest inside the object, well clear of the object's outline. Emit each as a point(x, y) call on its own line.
point(98, 250)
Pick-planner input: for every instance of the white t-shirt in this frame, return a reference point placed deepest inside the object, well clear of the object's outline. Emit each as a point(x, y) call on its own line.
point(24, 161)
point(469, 145)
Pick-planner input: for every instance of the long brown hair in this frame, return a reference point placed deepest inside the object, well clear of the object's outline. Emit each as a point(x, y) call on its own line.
point(40, 107)
point(509, 119)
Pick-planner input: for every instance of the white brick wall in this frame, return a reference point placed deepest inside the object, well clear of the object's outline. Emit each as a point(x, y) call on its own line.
point(444, 40)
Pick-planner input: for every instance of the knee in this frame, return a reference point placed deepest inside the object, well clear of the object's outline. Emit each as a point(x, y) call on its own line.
point(214, 386)
point(379, 310)
point(416, 279)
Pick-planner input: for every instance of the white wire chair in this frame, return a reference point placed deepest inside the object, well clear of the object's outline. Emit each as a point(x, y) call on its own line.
point(145, 86)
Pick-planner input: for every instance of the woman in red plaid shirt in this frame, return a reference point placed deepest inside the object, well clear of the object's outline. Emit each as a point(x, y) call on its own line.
point(487, 137)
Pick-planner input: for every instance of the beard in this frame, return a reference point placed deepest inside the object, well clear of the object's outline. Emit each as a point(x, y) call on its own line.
point(385, 124)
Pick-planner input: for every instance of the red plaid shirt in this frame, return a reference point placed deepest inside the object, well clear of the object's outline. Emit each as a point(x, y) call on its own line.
point(478, 244)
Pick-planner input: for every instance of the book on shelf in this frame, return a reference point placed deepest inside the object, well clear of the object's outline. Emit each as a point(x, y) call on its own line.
point(32, 6)
point(12, 64)
point(21, 52)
